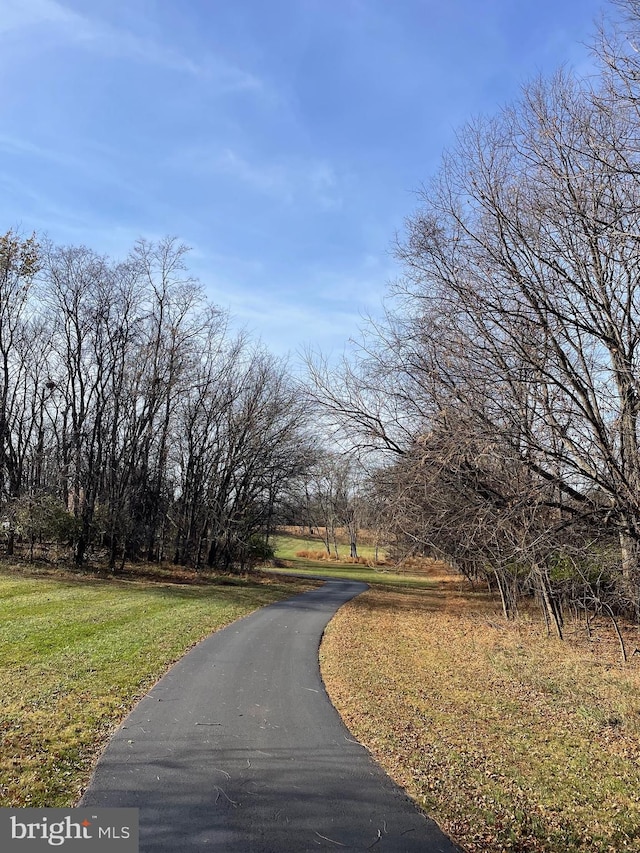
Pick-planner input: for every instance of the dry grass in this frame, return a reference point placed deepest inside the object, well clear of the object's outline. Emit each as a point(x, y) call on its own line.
point(511, 740)
point(306, 554)
point(322, 556)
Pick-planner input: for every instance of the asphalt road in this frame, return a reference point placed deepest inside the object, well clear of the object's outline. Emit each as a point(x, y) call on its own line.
point(238, 749)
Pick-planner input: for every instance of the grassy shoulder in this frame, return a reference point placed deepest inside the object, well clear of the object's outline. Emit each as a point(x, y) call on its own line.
point(77, 652)
point(511, 740)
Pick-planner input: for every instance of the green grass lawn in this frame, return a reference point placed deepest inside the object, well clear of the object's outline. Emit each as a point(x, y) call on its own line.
point(287, 544)
point(75, 655)
point(287, 548)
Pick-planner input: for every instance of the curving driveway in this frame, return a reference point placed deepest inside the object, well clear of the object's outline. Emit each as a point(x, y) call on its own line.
point(238, 749)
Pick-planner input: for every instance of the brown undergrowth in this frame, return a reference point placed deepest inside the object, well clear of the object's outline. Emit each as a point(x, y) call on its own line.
point(331, 558)
point(511, 740)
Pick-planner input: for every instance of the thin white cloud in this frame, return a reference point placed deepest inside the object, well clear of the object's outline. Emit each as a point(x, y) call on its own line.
point(285, 326)
point(291, 181)
point(270, 179)
point(13, 145)
point(94, 34)
point(35, 208)
point(323, 184)
point(16, 15)
point(363, 285)
point(26, 208)
point(96, 164)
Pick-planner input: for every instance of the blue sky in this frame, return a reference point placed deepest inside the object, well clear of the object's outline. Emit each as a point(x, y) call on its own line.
point(282, 139)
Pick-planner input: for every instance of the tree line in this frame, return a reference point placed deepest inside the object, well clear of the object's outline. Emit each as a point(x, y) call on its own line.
point(502, 387)
point(132, 421)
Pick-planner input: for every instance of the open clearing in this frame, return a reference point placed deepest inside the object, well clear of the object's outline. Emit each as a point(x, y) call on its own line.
point(76, 653)
point(296, 551)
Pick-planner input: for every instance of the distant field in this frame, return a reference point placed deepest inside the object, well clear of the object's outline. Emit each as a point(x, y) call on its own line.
point(76, 653)
point(294, 549)
point(511, 740)
point(292, 539)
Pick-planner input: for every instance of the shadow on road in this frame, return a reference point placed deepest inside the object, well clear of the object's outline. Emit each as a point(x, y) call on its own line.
point(276, 799)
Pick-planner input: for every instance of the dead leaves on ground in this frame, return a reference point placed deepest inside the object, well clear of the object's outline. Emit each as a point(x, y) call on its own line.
point(511, 740)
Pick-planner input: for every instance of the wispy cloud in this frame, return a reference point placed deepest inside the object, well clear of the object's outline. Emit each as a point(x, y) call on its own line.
point(93, 34)
point(13, 146)
point(289, 180)
point(95, 162)
point(37, 208)
point(272, 179)
point(19, 14)
point(284, 325)
point(361, 285)
point(323, 185)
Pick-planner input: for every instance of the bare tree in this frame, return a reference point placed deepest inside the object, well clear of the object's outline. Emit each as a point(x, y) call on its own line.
point(266, 446)
point(516, 325)
point(522, 269)
point(80, 286)
point(131, 421)
point(177, 315)
point(22, 368)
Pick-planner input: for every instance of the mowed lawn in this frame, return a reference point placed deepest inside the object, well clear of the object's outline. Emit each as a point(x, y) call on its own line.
point(511, 740)
point(304, 554)
point(75, 655)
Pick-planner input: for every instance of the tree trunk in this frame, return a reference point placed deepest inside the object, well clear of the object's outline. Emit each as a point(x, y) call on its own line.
point(505, 596)
point(550, 604)
point(630, 562)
